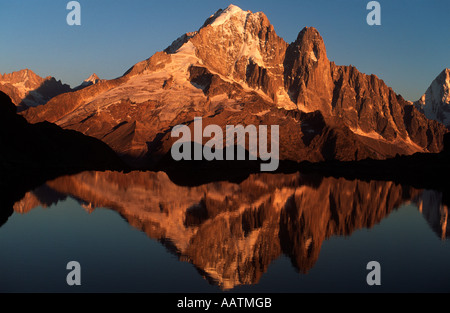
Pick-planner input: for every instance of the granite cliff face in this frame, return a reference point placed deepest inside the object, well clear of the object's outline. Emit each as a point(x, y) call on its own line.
point(236, 70)
point(232, 232)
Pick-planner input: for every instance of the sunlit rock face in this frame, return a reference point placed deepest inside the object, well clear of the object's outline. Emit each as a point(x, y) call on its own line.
point(236, 70)
point(27, 89)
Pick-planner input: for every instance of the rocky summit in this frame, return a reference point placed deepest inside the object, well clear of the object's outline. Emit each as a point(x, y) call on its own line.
point(27, 89)
point(236, 70)
point(435, 103)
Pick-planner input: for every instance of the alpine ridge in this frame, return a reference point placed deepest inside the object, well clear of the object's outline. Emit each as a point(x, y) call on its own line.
point(32, 154)
point(236, 70)
point(27, 89)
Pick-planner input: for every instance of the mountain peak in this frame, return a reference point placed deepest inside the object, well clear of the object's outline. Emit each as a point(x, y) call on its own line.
point(309, 32)
point(225, 15)
point(233, 8)
point(311, 44)
point(435, 103)
point(234, 15)
point(221, 16)
point(443, 77)
point(93, 78)
point(23, 75)
point(237, 69)
point(27, 89)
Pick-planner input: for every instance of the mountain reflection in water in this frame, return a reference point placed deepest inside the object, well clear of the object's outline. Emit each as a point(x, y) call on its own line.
point(232, 232)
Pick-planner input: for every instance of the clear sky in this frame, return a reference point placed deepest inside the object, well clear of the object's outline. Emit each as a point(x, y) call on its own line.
point(407, 51)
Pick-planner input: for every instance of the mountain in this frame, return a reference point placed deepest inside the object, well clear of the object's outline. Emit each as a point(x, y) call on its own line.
point(91, 80)
point(435, 103)
point(27, 89)
point(232, 232)
point(236, 70)
point(31, 154)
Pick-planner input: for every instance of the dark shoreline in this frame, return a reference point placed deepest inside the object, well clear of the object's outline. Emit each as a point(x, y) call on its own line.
point(421, 171)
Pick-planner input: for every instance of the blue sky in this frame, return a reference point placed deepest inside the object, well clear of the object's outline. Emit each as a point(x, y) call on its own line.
point(407, 51)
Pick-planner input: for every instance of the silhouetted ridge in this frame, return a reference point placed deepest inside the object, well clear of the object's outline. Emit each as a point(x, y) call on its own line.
point(32, 154)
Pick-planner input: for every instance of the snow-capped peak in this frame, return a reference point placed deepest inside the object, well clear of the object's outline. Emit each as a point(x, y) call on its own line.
point(440, 88)
point(92, 79)
point(435, 103)
point(223, 16)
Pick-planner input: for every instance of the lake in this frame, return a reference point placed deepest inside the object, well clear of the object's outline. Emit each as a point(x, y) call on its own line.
point(283, 233)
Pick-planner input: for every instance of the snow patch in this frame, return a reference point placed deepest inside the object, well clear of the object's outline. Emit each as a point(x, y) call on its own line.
point(93, 79)
point(226, 14)
point(251, 52)
point(372, 134)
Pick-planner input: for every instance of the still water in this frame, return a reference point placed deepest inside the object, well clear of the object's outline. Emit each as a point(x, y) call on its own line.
point(289, 233)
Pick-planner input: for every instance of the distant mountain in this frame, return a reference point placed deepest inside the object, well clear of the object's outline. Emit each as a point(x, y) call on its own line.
point(435, 103)
point(27, 89)
point(236, 70)
point(92, 80)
